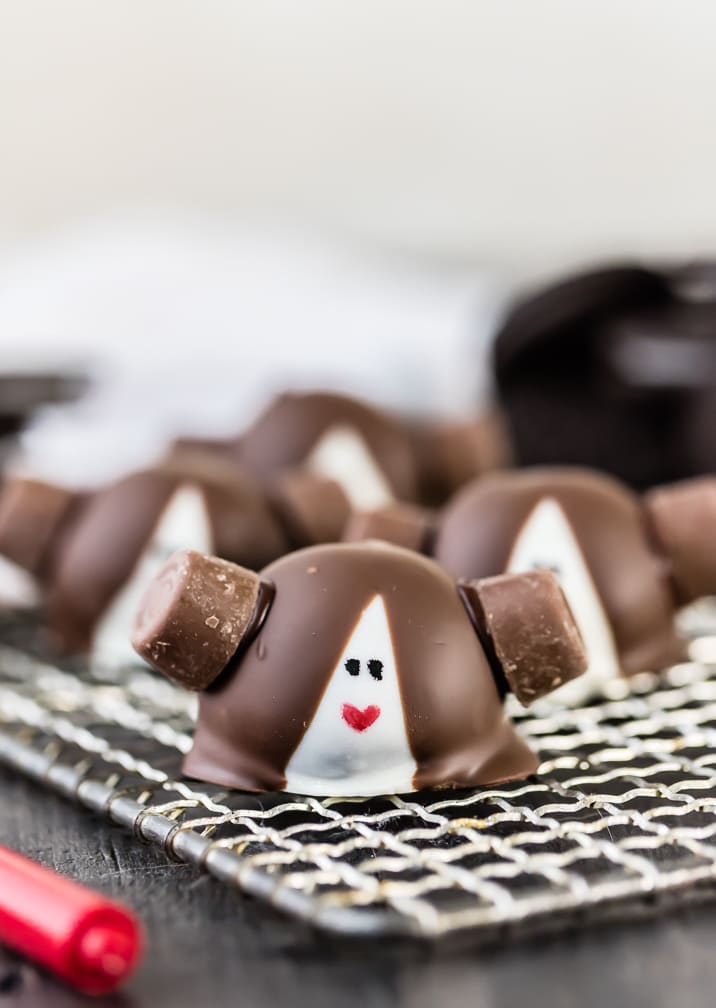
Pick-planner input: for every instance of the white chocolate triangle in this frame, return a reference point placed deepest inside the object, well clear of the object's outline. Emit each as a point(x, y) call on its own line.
point(18, 589)
point(184, 524)
point(342, 454)
point(546, 540)
point(335, 759)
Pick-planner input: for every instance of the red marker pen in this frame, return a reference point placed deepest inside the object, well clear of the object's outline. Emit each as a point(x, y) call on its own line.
point(89, 941)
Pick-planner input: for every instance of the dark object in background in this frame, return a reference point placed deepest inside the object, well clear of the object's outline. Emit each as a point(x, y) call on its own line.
point(21, 394)
point(614, 369)
point(355, 669)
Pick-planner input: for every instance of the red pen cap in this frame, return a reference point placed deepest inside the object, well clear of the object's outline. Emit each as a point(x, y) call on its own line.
point(89, 941)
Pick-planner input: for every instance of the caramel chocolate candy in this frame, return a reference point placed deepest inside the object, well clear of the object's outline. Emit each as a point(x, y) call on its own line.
point(451, 453)
point(193, 617)
point(625, 563)
point(362, 668)
point(95, 571)
point(401, 524)
point(31, 515)
point(311, 510)
point(526, 619)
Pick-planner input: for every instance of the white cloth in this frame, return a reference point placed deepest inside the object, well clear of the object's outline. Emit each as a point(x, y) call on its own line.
point(190, 329)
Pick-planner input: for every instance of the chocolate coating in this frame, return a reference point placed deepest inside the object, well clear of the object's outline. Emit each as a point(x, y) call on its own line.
point(401, 524)
point(311, 510)
point(683, 521)
point(616, 369)
point(450, 454)
point(262, 709)
point(31, 515)
point(288, 430)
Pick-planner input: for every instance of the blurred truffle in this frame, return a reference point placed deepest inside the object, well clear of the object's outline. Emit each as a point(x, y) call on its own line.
point(376, 456)
point(96, 552)
point(626, 564)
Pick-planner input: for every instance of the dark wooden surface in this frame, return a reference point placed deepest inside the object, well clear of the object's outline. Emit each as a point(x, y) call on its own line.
point(209, 946)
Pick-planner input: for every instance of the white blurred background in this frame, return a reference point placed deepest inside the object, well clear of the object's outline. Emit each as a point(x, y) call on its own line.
point(206, 201)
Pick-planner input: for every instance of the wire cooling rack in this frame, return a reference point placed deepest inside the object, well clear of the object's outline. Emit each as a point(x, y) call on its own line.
point(623, 808)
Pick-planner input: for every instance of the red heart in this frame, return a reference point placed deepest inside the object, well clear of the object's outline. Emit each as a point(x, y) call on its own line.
point(358, 719)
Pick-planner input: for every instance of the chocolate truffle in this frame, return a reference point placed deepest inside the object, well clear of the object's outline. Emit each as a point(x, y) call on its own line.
point(376, 457)
point(95, 571)
point(615, 369)
point(625, 563)
point(355, 669)
point(367, 451)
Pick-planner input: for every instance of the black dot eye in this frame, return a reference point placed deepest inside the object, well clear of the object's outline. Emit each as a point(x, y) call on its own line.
point(353, 666)
point(375, 668)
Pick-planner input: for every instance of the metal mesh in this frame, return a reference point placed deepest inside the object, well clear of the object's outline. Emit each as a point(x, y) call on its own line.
point(623, 806)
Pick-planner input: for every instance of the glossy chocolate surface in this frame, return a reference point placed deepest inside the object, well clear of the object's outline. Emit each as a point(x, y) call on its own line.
point(370, 671)
point(248, 730)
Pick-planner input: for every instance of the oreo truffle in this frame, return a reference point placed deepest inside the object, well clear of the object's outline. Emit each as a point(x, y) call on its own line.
point(95, 553)
point(355, 669)
point(625, 562)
